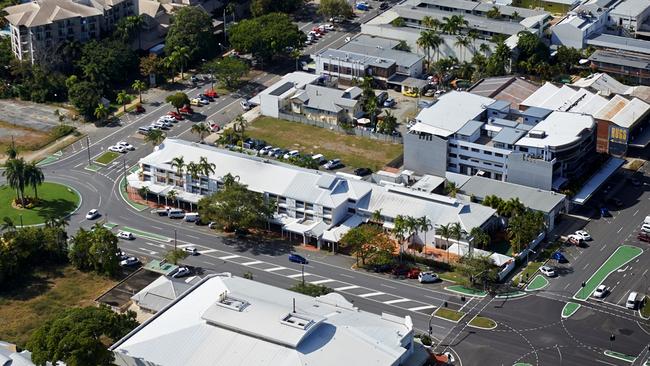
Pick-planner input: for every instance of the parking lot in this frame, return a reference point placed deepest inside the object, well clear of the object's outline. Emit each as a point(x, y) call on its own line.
point(120, 295)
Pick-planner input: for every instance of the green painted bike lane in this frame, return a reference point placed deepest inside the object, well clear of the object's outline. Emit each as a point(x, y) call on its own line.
point(623, 255)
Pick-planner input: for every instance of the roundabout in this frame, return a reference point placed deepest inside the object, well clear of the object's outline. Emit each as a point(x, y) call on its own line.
point(54, 200)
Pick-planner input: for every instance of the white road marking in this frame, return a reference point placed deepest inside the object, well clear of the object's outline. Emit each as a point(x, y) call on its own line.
point(390, 287)
point(603, 248)
point(396, 301)
point(230, 257)
point(149, 251)
point(622, 297)
point(275, 269)
point(605, 362)
point(619, 230)
point(155, 245)
point(586, 265)
point(635, 212)
point(208, 251)
point(418, 308)
point(251, 263)
point(321, 282)
point(345, 275)
point(371, 294)
point(344, 288)
point(567, 285)
point(296, 275)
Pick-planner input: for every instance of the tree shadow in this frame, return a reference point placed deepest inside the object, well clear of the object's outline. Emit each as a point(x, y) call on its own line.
point(55, 207)
point(30, 284)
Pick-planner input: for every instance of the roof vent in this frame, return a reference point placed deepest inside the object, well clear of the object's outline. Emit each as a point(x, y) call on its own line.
point(231, 302)
point(537, 134)
point(297, 321)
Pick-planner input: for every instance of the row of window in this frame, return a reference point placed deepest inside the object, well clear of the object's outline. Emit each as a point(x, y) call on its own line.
point(485, 152)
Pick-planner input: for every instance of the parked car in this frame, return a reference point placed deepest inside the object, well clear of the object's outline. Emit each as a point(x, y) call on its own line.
point(127, 235)
point(117, 149)
point(290, 154)
point(126, 145)
point(362, 7)
point(139, 109)
point(559, 257)
point(273, 151)
point(427, 277)
point(279, 153)
point(196, 102)
point(410, 93)
point(583, 234)
point(205, 96)
point(547, 271)
point(384, 6)
point(191, 250)
point(413, 273)
point(382, 97)
point(144, 130)
point(167, 118)
point(214, 127)
point(362, 172)
point(604, 212)
point(645, 228)
point(265, 150)
point(574, 239)
point(176, 115)
point(245, 105)
point(424, 104)
point(130, 261)
point(92, 214)
point(211, 93)
point(439, 93)
point(296, 258)
point(328, 26)
point(161, 125)
point(333, 164)
point(389, 103)
point(601, 292)
point(632, 301)
point(187, 109)
point(181, 271)
point(430, 92)
point(643, 237)
point(194, 79)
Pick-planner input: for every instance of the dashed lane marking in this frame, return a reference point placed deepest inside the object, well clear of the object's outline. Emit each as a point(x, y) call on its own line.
point(296, 275)
point(319, 282)
point(345, 288)
point(208, 251)
point(275, 269)
point(371, 294)
point(251, 263)
point(418, 308)
point(229, 257)
point(396, 301)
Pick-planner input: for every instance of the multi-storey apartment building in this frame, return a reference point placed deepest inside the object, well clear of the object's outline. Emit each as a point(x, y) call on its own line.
point(38, 27)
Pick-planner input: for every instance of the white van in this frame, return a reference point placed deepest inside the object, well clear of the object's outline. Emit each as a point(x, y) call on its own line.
point(647, 220)
point(319, 158)
point(645, 228)
point(192, 216)
point(176, 213)
point(631, 301)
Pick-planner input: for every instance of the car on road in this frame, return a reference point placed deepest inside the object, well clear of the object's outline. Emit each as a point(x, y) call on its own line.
point(117, 149)
point(92, 214)
point(291, 154)
point(600, 292)
point(428, 277)
point(413, 273)
point(127, 235)
point(195, 102)
point(180, 272)
point(191, 250)
point(333, 164)
point(126, 145)
point(245, 105)
point(547, 271)
point(389, 103)
point(130, 261)
point(362, 172)
point(297, 258)
point(384, 6)
point(631, 301)
point(583, 234)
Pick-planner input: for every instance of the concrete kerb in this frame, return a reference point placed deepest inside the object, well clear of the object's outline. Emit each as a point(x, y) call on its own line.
point(71, 212)
point(619, 356)
point(469, 323)
point(512, 295)
point(122, 188)
point(572, 307)
point(531, 288)
point(465, 293)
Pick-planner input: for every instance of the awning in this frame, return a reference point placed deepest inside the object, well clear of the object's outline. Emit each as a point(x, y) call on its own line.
point(336, 233)
point(306, 227)
point(597, 180)
point(363, 121)
point(642, 140)
point(408, 81)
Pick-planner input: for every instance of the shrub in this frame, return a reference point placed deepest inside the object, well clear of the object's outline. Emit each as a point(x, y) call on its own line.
point(62, 130)
point(426, 340)
point(310, 289)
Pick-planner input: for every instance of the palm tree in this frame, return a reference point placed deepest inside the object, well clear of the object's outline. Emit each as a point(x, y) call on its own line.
point(239, 125)
point(295, 54)
point(472, 36)
point(172, 196)
point(171, 62)
point(155, 137)
point(7, 224)
point(424, 225)
point(123, 98)
point(194, 170)
point(445, 233)
point(462, 43)
point(376, 217)
point(139, 86)
point(435, 42)
point(200, 129)
point(493, 13)
point(514, 16)
point(11, 151)
point(479, 238)
point(424, 42)
point(15, 174)
point(484, 48)
point(455, 231)
point(101, 112)
point(183, 56)
point(231, 9)
point(207, 167)
point(399, 231)
point(451, 189)
point(34, 177)
point(178, 163)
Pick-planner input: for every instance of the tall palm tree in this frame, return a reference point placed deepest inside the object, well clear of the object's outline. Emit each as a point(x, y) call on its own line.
point(15, 174)
point(376, 217)
point(200, 129)
point(101, 112)
point(183, 57)
point(231, 9)
point(424, 43)
point(424, 225)
point(7, 224)
point(207, 167)
point(139, 86)
point(484, 48)
point(462, 43)
point(155, 137)
point(123, 98)
point(172, 195)
point(178, 163)
point(11, 151)
point(445, 233)
point(34, 177)
point(435, 42)
point(193, 170)
point(399, 231)
point(171, 62)
point(472, 36)
point(455, 231)
point(239, 125)
point(451, 189)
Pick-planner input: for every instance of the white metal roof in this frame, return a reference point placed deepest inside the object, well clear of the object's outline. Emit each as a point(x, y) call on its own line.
point(603, 83)
point(540, 95)
point(630, 8)
point(452, 111)
point(232, 321)
point(561, 128)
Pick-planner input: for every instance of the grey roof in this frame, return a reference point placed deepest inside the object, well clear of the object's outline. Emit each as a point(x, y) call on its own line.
point(533, 198)
point(499, 105)
point(630, 8)
point(352, 57)
point(162, 292)
point(454, 4)
point(43, 12)
point(408, 81)
point(501, 122)
point(470, 128)
point(328, 99)
point(620, 43)
point(509, 135)
point(452, 111)
point(380, 47)
point(628, 59)
point(537, 112)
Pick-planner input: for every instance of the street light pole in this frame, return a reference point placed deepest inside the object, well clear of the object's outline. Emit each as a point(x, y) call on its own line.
point(174, 239)
point(88, 148)
point(303, 274)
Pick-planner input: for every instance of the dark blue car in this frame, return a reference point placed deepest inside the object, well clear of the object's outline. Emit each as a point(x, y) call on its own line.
point(560, 257)
point(295, 258)
point(604, 212)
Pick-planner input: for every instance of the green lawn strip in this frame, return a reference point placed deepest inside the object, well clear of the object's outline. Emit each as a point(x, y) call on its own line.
point(645, 309)
point(354, 151)
point(448, 314)
point(569, 309)
point(466, 291)
point(48, 159)
point(620, 356)
point(482, 322)
point(622, 255)
point(136, 206)
point(109, 225)
point(510, 295)
point(538, 283)
point(146, 234)
point(92, 167)
point(452, 276)
point(54, 200)
point(522, 364)
point(107, 157)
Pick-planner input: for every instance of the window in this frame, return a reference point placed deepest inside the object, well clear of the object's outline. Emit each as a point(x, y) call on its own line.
point(523, 149)
point(464, 157)
point(498, 165)
point(309, 206)
point(452, 145)
point(487, 152)
point(498, 155)
point(464, 148)
point(498, 176)
point(352, 200)
point(487, 163)
point(475, 150)
point(452, 155)
point(451, 165)
point(351, 210)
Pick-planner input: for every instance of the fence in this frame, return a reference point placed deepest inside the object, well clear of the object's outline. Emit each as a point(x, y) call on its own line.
point(352, 131)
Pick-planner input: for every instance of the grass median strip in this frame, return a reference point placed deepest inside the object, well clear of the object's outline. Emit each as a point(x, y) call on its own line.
point(622, 255)
point(510, 295)
point(448, 314)
point(569, 309)
point(146, 234)
point(620, 356)
point(106, 157)
point(645, 308)
point(483, 323)
point(538, 283)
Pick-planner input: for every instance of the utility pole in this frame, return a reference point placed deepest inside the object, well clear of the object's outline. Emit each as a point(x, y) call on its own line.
point(174, 239)
point(303, 275)
point(88, 148)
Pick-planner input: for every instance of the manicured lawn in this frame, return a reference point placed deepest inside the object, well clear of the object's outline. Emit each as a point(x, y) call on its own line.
point(645, 310)
point(449, 314)
point(49, 291)
point(54, 200)
point(548, 6)
point(530, 270)
point(481, 322)
point(622, 255)
point(107, 157)
point(354, 151)
point(569, 309)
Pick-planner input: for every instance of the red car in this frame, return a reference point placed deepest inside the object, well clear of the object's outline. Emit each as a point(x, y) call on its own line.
point(176, 115)
point(139, 109)
point(413, 273)
point(643, 237)
point(211, 93)
point(187, 110)
point(214, 127)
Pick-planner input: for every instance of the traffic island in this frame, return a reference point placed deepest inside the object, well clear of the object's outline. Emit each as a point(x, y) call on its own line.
point(482, 323)
point(466, 291)
point(569, 309)
point(620, 356)
point(448, 314)
point(54, 200)
point(538, 283)
point(510, 295)
point(644, 311)
point(107, 157)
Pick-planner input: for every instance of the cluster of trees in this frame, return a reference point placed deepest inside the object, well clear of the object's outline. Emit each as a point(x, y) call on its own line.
point(523, 224)
point(264, 7)
point(335, 8)
point(234, 207)
point(227, 71)
point(20, 175)
point(266, 36)
point(369, 243)
point(95, 250)
point(479, 270)
point(23, 249)
point(80, 336)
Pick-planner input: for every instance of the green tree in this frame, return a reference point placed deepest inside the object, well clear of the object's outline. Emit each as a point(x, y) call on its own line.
point(182, 55)
point(228, 70)
point(403, 46)
point(479, 238)
point(107, 63)
point(205, 166)
point(262, 7)
point(445, 233)
point(175, 255)
point(239, 125)
point(178, 163)
point(155, 137)
point(192, 27)
point(14, 172)
point(171, 63)
point(388, 124)
point(493, 13)
point(151, 65)
point(479, 270)
point(567, 58)
point(123, 98)
point(266, 36)
point(200, 129)
point(95, 250)
point(34, 177)
point(11, 151)
point(462, 43)
point(79, 336)
point(234, 207)
point(7, 224)
point(139, 86)
point(451, 189)
point(84, 96)
point(335, 8)
point(101, 112)
point(498, 62)
point(366, 241)
point(172, 195)
point(178, 100)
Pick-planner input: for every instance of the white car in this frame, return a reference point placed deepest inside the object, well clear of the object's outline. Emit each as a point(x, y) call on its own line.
point(191, 250)
point(426, 277)
point(126, 145)
point(130, 261)
point(167, 118)
point(117, 149)
point(182, 271)
point(245, 105)
point(273, 151)
point(547, 271)
point(583, 234)
point(92, 214)
point(265, 150)
point(125, 235)
point(600, 292)
point(290, 154)
point(328, 26)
